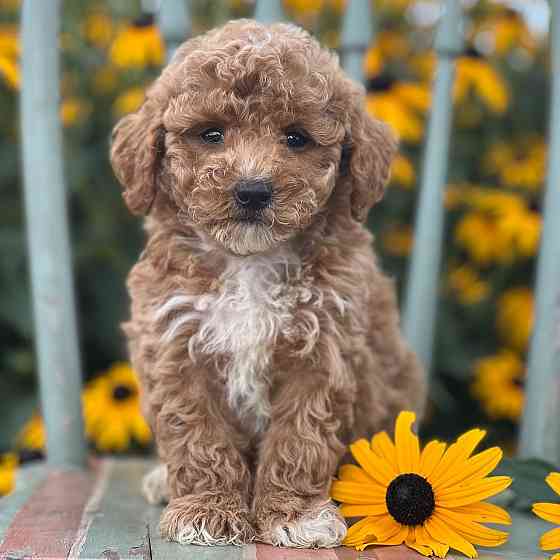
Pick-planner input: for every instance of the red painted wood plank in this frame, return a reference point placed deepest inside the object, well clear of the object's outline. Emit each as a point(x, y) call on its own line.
point(47, 525)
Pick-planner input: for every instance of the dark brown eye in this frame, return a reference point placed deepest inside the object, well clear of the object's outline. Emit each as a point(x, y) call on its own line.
point(212, 135)
point(296, 140)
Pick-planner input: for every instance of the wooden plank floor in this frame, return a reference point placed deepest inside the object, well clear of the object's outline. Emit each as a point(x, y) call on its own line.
point(101, 514)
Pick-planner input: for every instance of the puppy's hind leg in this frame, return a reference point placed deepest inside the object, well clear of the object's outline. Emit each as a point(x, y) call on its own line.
point(154, 486)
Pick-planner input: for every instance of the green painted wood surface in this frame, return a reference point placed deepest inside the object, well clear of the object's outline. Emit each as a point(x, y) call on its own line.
point(421, 300)
point(124, 527)
point(47, 234)
point(357, 34)
point(540, 429)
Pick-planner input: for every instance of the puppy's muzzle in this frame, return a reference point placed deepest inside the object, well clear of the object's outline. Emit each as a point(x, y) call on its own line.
point(252, 196)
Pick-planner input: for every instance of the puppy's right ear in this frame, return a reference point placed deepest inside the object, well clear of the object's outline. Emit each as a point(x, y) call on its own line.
point(137, 147)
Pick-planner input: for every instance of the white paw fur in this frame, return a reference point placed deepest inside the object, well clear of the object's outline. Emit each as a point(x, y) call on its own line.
point(321, 528)
point(154, 486)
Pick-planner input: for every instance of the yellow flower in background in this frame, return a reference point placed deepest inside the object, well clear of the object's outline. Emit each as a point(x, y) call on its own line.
point(9, 5)
point(501, 227)
point(112, 416)
point(475, 76)
point(430, 499)
point(9, 55)
point(400, 104)
point(98, 29)
point(138, 45)
point(402, 172)
point(73, 111)
point(518, 165)
point(508, 31)
point(8, 467)
point(128, 101)
point(32, 436)
point(498, 385)
point(398, 240)
point(465, 282)
point(550, 512)
point(105, 80)
point(394, 6)
point(389, 45)
point(515, 317)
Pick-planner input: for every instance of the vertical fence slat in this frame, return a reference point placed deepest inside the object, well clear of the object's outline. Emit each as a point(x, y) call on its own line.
point(422, 288)
point(540, 429)
point(357, 34)
point(174, 23)
point(47, 232)
point(269, 11)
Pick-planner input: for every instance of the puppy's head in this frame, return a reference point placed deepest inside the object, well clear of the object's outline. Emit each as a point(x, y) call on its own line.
point(247, 134)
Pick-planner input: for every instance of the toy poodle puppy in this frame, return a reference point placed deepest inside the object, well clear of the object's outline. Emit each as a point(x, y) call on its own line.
point(265, 335)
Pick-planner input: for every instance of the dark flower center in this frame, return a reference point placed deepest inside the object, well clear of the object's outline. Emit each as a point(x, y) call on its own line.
point(383, 82)
point(410, 499)
point(471, 52)
point(122, 392)
point(144, 20)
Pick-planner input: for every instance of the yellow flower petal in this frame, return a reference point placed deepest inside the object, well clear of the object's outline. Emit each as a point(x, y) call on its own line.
point(422, 536)
point(471, 530)
point(351, 510)
point(456, 454)
point(357, 493)
point(373, 465)
point(551, 539)
point(553, 480)
point(360, 531)
point(548, 512)
point(353, 473)
point(430, 457)
point(476, 467)
point(382, 445)
point(406, 443)
point(488, 513)
point(439, 531)
point(473, 492)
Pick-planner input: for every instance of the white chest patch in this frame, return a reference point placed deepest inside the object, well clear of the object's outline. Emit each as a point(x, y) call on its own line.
point(242, 321)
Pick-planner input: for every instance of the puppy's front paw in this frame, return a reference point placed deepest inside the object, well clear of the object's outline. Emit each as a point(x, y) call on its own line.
point(154, 486)
point(207, 520)
point(319, 525)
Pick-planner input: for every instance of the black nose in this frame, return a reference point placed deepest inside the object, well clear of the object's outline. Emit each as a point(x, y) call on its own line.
point(253, 195)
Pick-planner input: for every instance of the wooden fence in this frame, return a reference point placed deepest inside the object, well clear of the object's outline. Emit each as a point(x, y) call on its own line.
point(53, 294)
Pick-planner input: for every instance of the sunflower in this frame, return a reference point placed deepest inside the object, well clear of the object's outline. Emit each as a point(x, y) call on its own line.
point(8, 467)
point(30, 442)
point(518, 165)
point(475, 75)
point(515, 317)
point(402, 172)
point(500, 227)
point(431, 500)
point(73, 111)
point(397, 240)
point(550, 512)
point(465, 283)
point(9, 54)
point(138, 45)
point(498, 385)
point(112, 410)
point(128, 101)
point(400, 104)
point(98, 29)
point(390, 45)
point(508, 30)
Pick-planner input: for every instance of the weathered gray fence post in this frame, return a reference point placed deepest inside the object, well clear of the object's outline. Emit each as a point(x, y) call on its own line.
point(422, 289)
point(540, 429)
point(175, 24)
point(269, 11)
point(357, 34)
point(47, 232)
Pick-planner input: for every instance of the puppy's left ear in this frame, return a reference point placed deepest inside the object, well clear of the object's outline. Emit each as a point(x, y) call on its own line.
point(369, 150)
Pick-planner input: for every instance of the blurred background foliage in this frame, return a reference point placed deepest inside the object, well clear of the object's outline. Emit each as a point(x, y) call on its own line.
point(111, 51)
